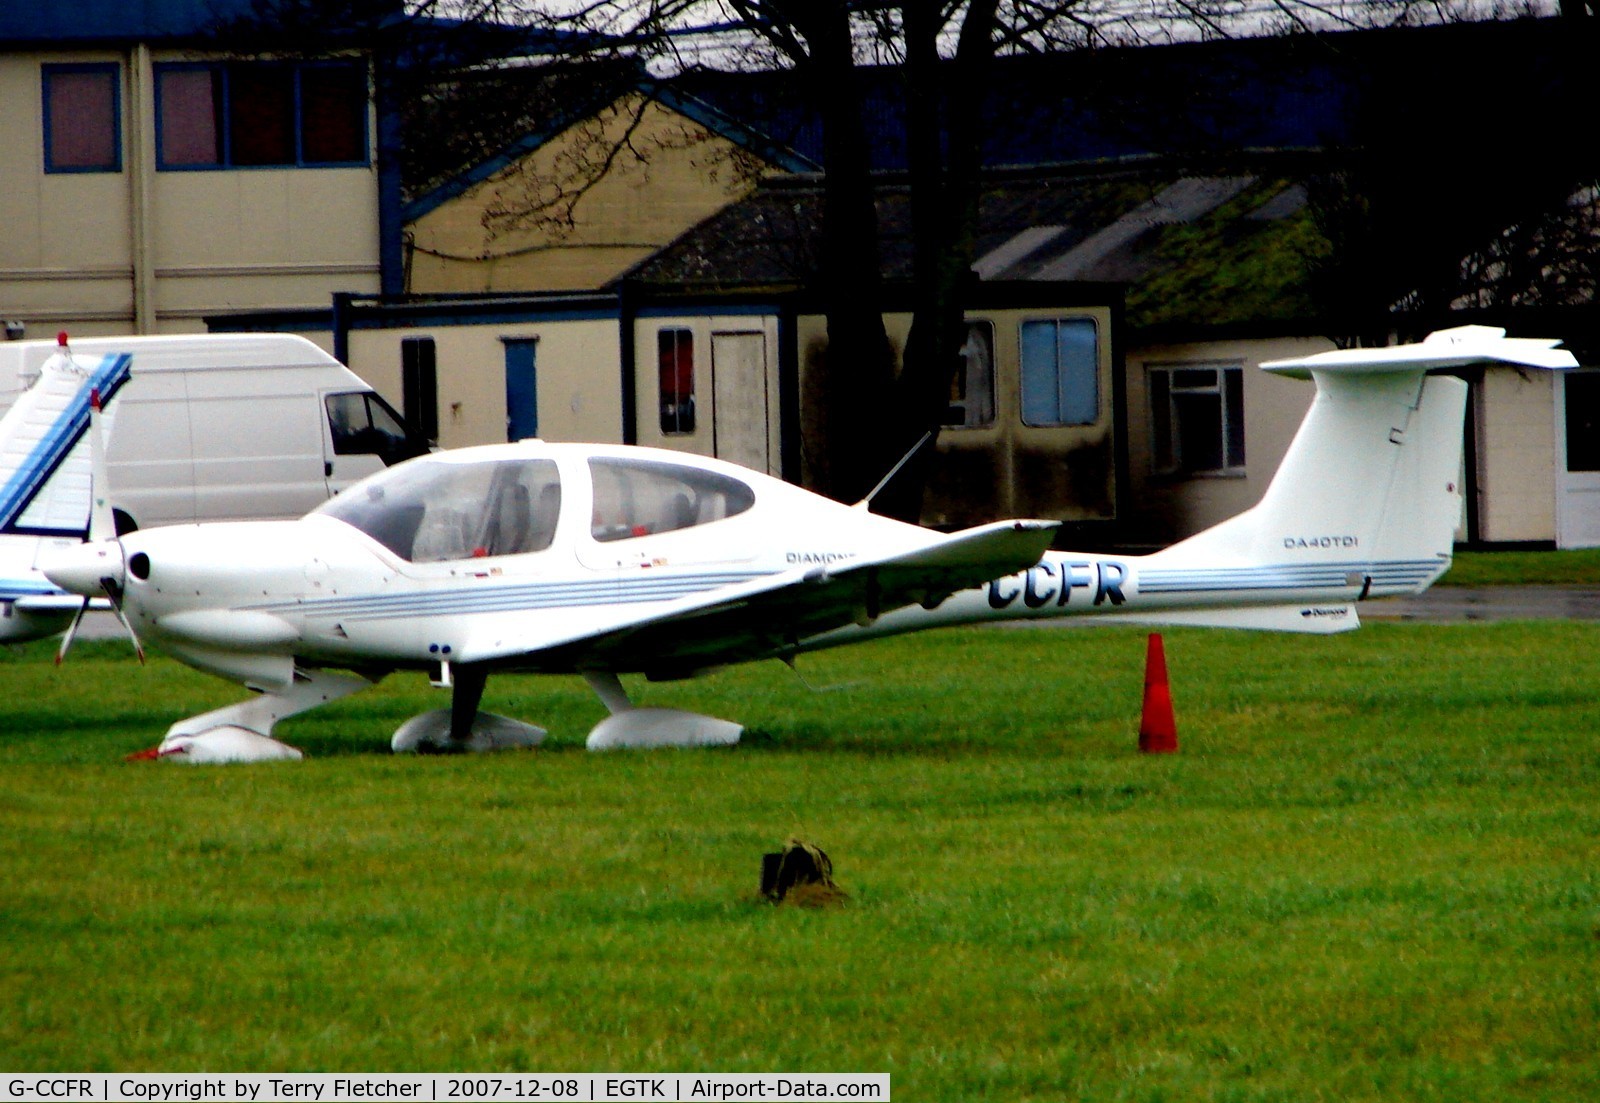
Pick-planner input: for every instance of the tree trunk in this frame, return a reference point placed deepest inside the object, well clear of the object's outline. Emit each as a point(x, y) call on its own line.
point(944, 101)
point(858, 372)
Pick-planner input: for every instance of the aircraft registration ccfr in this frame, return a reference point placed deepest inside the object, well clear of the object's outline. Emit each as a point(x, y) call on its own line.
point(604, 560)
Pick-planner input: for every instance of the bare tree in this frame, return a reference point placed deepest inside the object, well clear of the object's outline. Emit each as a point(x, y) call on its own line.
point(589, 51)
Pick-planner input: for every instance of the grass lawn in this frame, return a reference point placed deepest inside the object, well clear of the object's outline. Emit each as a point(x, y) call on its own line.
point(1511, 568)
point(1370, 874)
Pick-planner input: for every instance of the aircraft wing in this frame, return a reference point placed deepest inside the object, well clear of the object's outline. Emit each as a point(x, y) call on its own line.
point(50, 603)
point(766, 616)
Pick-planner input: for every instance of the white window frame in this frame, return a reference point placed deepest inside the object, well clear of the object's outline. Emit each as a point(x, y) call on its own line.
point(1166, 390)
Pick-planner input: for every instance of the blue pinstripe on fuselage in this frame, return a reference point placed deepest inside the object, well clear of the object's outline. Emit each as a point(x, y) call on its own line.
point(513, 597)
point(1287, 577)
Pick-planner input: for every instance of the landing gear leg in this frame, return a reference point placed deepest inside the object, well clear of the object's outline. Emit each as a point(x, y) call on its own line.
point(462, 726)
point(309, 689)
point(464, 701)
point(243, 732)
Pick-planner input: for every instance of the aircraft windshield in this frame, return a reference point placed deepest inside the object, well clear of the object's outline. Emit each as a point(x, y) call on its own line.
point(430, 511)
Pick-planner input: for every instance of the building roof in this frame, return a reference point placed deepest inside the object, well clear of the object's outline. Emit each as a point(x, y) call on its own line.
point(34, 23)
point(1271, 185)
point(1214, 249)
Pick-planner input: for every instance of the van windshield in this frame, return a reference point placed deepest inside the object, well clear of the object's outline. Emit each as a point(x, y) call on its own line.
point(431, 510)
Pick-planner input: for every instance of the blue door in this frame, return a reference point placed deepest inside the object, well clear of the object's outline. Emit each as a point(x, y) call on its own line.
point(522, 389)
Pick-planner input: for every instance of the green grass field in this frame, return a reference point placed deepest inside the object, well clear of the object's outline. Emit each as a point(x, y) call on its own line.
point(1510, 568)
point(1370, 874)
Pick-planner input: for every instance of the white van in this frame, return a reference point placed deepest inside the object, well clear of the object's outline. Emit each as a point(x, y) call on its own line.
point(217, 427)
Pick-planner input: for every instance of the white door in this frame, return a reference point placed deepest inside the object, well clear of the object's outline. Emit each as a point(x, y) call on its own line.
point(739, 399)
point(1578, 459)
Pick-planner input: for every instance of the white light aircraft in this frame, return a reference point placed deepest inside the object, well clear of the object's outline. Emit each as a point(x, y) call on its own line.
point(45, 486)
point(604, 560)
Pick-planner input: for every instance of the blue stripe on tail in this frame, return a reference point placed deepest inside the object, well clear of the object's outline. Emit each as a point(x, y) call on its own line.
point(23, 485)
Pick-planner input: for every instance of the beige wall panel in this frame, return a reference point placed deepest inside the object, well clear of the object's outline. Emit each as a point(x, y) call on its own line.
point(85, 220)
point(22, 167)
point(580, 398)
point(105, 298)
point(1516, 465)
point(375, 357)
point(638, 206)
point(266, 216)
point(580, 380)
point(1166, 509)
point(194, 293)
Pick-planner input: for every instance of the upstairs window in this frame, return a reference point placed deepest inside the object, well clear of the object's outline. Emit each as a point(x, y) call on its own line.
point(82, 118)
point(247, 115)
point(675, 358)
point(1060, 372)
point(1197, 419)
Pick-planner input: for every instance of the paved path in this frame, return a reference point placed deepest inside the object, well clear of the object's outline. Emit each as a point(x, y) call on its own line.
point(1454, 604)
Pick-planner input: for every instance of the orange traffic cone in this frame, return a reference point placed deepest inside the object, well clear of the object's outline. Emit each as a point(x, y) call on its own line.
point(1158, 730)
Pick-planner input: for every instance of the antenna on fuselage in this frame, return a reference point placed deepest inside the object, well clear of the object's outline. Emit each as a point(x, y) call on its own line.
point(893, 471)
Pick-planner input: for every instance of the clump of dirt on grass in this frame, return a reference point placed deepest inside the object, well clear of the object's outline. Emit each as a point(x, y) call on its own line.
point(801, 875)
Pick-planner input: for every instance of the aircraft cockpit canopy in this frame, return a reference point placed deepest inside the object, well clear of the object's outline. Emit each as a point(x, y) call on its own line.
point(431, 510)
point(642, 497)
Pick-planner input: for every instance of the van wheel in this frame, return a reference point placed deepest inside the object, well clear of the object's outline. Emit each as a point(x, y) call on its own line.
point(124, 524)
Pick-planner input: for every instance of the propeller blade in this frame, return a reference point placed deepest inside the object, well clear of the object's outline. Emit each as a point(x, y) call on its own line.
point(72, 632)
point(114, 592)
point(102, 523)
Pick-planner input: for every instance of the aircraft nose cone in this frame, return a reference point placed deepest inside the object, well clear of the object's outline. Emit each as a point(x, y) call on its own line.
point(80, 568)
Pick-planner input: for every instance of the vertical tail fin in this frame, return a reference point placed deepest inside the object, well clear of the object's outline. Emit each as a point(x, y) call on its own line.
point(1369, 484)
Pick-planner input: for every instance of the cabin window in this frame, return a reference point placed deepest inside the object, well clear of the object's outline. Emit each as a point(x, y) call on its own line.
point(82, 118)
point(675, 355)
point(1060, 372)
point(247, 115)
point(972, 389)
point(419, 387)
point(434, 511)
point(1197, 419)
point(643, 498)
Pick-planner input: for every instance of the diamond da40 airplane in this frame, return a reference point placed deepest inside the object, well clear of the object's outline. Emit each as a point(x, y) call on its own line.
point(605, 560)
